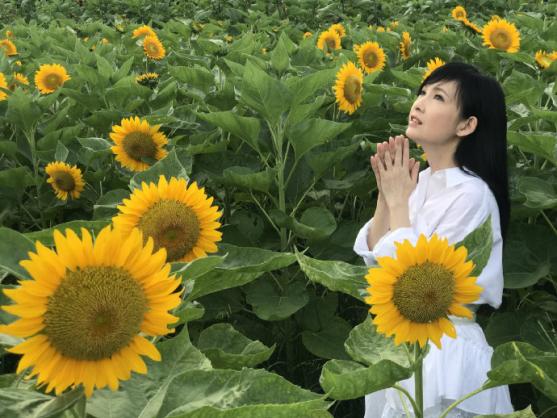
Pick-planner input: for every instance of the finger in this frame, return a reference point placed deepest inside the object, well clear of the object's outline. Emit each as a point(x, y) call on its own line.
point(392, 146)
point(415, 172)
point(405, 152)
point(398, 152)
point(388, 160)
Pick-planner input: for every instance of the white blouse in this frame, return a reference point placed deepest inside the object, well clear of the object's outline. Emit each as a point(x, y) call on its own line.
point(452, 204)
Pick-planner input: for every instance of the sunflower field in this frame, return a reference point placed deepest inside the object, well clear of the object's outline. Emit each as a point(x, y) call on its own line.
point(181, 184)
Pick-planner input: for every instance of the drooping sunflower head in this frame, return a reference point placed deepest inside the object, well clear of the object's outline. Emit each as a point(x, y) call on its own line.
point(472, 26)
point(177, 216)
point(413, 294)
point(405, 44)
point(142, 31)
point(50, 77)
point(329, 41)
point(339, 28)
point(459, 13)
point(21, 79)
point(307, 35)
point(153, 48)
point(84, 309)
point(147, 78)
point(545, 59)
point(371, 57)
point(8, 47)
point(65, 179)
point(3, 85)
point(348, 88)
point(432, 65)
point(137, 142)
point(501, 34)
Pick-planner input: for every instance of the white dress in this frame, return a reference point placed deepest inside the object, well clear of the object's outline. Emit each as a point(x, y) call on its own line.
point(452, 204)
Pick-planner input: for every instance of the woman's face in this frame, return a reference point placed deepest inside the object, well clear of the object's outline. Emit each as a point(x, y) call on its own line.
point(434, 116)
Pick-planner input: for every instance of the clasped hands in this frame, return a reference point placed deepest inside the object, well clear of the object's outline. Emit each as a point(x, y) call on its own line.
point(396, 174)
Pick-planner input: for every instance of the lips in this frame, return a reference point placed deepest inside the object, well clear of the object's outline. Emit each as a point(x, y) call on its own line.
point(413, 118)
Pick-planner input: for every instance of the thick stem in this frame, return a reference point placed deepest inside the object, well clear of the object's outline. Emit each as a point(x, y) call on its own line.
point(418, 381)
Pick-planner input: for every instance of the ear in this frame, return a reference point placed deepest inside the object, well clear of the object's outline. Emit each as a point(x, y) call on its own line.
point(466, 127)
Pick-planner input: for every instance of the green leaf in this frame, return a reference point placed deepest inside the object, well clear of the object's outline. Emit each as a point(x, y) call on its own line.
point(106, 206)
point(518, 362)
point(196, 76)
point(525, 413)
point(328, 342)
point(245, 128)
point(411, 78)
point(308, 86)
point(335, 275)
point(321, 219)
point(275, 301)
point(279, 56)
point(321, 162)
point(311, 232)
point(311, 133)
point(540, 194)
point(61, 152)
point(219, 279)
point(478, 243)
point(16, 178)
point(104, 67)
point(14, 247)
point(22, 111)
point(8, 147)
point(229, 349)
point(244, 177)
point(170, 166)
point(541, 144)
point(253, 259)
point(46, 235)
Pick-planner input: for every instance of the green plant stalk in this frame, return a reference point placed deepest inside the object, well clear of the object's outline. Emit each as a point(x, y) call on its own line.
point(418, 381)
point(30, 135)
point(458, 401)
point(278, 137)
point(412, 401)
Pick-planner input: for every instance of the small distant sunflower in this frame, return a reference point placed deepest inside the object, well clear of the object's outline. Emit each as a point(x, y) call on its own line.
point(228, 38)
point(8, 47)
point(339, 28)
point(18, 63)
point(49, 77)
point(177, 216)
point(545, 59)
point(3, 85)
point(146, 77)
point(105, 41)
point(264, 51)
point(501, 34)
point(371, 57)
point(9, 34)
point(307, 35)
point(472, 26)
point(143, 31)
point(380, 29)
point(459, 13)
point(329, 41)
point(65, 179)
point(18, 79)
point(136, 140)
point(432, 65)
point(394, 24)
point(413, 294)
point(153, 48)
point(405, 45)
point(85, 310)
point(348, 88)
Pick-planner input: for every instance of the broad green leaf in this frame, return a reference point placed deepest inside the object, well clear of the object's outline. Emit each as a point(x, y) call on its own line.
point(219, 279)
point(308, 86)
point(279, 56)
point(253, 259)
point(503, 327)
point(189, 311)
point(335, 275)
point(8, 147)
point(311, 133)
point(518, 362)
point(197, 267)
point(478, 243)
point(104, 67)
point(319, 218)
point(342, 379)
point(14, 247)
point(46, 235)
point(321, 162)
point(170, 166)
point(525, 413)
point(61, 152)
point(275, 301)
point(312, 232)
point(411, 78)
point(541, 144)
point(229, 349)
point(22, 111)
point(245, 178)
point(198, 77)
point(106, 206)
point(245, 128)
point(329, 341)
point(540, 194)
point(17, 178)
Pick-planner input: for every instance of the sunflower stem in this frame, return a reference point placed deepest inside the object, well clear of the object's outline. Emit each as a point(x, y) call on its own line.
point(412, 401)
point(30, 135)
point(458, 401)
point(418, 381)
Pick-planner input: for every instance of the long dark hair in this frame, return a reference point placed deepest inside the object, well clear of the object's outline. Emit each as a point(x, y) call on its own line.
point(485, 150)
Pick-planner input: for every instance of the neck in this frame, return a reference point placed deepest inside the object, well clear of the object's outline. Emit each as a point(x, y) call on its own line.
point(440, 157)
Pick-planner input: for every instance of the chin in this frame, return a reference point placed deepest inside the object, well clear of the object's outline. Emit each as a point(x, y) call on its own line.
point(410, 135)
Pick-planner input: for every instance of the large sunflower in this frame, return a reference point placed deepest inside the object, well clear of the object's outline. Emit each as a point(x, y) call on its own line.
point(545, 59)
point(371, 56)
point(349, 87)
point(459, 13)
point(405, 44)
point(3, 85)
point(85, 307)
point(501, 34)
point(339, 28)
point(135, 141)
point(50, 77)
point(8, 47)
point(412, 295)
point(143, 31)
point(65, 179)
point(432, 65)
point(179, 217)
point(329, 41)
point(153, 48)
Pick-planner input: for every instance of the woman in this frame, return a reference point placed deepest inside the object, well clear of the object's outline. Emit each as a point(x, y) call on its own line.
point(459, 120)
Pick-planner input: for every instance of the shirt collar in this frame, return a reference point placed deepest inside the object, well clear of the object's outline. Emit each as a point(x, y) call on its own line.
point(453, 176)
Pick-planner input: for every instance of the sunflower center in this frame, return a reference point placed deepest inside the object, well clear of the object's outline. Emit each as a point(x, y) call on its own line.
point(352, 89)
point(424, 292)
point(64, 181)
point(172, 225)
point(95, 312)
point(139, 145)
point(370, 59)
point(501, 40)
point(53, 81)
point(152, 48)
point(460, 15)
point(330, 44)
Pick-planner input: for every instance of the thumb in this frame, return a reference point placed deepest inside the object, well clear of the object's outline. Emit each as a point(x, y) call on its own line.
point(415, 171)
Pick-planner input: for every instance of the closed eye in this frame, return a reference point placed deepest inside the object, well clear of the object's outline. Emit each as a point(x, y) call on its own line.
point(435, 96)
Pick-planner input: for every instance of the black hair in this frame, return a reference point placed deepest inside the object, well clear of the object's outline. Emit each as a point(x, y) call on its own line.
point(484, 151)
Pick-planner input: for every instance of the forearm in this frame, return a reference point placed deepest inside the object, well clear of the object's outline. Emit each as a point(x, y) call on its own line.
point(380, 224)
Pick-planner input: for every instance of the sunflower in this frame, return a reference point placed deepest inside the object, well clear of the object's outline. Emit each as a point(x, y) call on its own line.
point(339, 28)
point(153, 48)
point(423, 156)
point(143, 31)
point(146, 78)
point(412, 295)
point(8, 47)
point(545, 59)
point(405, 45)
point(432, 65)
point(50, 77)
point(65, 179)
point(371, 56)
point(472, 26)
point(179, 217)
point(307, 35)
point(329, 41)
point(3, 85)
point(228, 38)
point(83, 311)
point(394, 24)
point(348, 87)
point(136, 140)
point(459, 13)
point(380, 29)
point(501, 34)
point(105, 41)
point(20, 79)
